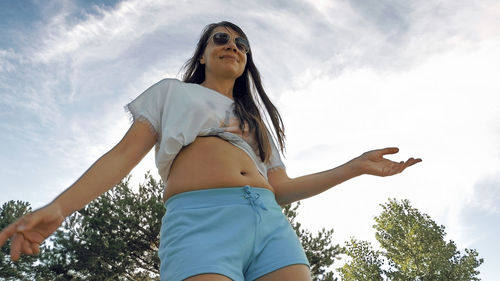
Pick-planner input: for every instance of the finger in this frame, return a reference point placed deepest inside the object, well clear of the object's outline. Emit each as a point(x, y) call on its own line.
point(15, 248)
point(415, 161)
point(35, 248)
point(410, 162)
point(7, 233)
point(26, 247)
point(389, 150)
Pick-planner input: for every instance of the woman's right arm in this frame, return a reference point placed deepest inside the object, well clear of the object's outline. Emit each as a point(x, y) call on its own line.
point(29, 231)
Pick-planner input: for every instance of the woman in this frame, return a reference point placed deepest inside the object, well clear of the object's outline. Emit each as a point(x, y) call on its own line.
point(224, 177)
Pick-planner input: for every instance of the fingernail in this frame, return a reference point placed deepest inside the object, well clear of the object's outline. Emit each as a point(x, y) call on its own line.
point(21, 228)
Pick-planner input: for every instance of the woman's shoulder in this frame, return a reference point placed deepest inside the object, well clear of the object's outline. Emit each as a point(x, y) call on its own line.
point(175, 85)
point(170, 82)
point(175, 92)
point(167, 87)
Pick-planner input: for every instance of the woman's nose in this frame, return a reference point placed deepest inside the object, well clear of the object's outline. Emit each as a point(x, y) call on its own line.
point(231, 45)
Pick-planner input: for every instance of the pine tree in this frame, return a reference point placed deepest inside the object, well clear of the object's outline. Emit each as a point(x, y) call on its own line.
point(22, 269)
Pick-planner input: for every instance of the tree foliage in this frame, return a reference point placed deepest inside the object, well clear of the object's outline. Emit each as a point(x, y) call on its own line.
point(21, 270)
point(413, 248)
point(319, 249)
point(366, 263)
point(115, 237)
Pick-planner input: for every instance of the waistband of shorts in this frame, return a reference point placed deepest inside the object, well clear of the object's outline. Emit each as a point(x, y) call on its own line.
point(218, 197)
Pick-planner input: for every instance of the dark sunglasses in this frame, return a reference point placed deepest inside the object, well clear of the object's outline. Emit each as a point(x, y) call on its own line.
point(222, 38)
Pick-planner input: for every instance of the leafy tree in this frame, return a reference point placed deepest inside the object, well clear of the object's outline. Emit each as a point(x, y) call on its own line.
point(366, 263)
point(21, 270)
point(413, 249)
point(319, 249)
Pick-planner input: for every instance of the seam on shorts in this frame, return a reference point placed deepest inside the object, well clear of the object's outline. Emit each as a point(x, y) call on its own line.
point(275, 266)
point(205, 269)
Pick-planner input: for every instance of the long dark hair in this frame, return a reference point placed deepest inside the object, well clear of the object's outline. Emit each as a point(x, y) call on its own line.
point(245, 90)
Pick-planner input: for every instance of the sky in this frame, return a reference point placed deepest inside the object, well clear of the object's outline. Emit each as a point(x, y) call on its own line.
point(347, 76)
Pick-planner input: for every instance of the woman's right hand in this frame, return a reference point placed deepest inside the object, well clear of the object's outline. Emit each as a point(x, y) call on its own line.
point(29, 231)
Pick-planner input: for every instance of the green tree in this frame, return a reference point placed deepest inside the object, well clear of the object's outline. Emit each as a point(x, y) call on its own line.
point(366, 263)
point(319, 249)
point(115, 237)
point(23, 269)
point(413, 248)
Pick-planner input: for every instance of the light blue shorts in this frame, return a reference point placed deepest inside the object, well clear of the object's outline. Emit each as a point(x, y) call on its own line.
point(239, 232)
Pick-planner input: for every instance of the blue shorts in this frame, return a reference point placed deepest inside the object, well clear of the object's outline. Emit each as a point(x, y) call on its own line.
point(239, 232)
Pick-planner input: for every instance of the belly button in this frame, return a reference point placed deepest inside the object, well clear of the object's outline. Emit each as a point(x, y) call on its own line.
point(243, 173)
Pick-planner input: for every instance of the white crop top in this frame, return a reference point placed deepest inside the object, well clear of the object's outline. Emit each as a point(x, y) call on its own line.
point(179, 112)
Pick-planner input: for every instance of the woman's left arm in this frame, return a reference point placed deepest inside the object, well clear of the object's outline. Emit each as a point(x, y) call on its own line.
point(289, 190)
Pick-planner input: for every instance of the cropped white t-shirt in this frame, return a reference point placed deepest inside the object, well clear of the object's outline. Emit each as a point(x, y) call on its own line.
point(179, 112)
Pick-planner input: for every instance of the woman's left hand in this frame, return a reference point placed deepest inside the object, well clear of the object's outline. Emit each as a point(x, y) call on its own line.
point(374, 163)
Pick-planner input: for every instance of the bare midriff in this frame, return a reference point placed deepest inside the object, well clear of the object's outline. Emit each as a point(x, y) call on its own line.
point(212, 162)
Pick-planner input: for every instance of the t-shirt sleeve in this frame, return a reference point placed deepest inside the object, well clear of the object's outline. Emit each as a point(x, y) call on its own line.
point(275, 161)
point(149, 106)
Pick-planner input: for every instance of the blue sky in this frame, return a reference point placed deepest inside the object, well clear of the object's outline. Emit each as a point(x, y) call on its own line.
point(347, 76)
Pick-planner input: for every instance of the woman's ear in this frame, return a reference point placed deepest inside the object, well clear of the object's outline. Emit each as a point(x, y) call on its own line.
point(202, 59)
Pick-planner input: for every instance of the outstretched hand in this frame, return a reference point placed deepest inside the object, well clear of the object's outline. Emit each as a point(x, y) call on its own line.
point(374, 163)
point(29, 231)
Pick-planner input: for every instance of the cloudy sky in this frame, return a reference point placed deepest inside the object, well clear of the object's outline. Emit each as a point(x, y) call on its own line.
point(347, 76)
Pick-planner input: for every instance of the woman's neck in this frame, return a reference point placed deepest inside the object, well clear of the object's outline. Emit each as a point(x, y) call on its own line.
point(223, 86)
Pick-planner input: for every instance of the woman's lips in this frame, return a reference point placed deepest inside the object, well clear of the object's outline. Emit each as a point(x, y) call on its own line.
point(229, 57)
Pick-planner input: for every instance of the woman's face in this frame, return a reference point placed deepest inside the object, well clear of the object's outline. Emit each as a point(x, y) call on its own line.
point(223, 61)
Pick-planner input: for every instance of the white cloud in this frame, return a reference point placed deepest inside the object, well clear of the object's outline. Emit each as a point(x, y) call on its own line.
point(486, 193)
point(118, 27)
point(5, 64)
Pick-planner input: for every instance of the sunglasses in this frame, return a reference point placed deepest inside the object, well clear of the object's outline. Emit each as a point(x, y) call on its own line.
point(222, 38)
